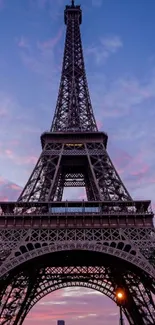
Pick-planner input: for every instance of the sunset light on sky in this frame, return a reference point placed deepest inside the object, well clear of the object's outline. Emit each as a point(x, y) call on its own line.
point(119, 49)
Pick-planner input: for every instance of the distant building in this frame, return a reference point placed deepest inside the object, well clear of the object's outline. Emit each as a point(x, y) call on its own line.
point(61, 322)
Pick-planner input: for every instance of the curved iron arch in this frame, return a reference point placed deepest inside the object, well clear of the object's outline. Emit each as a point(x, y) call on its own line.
point(94, 286)
point(68, 284)
point(61, 278)
point(138, 260)
point(103, 286)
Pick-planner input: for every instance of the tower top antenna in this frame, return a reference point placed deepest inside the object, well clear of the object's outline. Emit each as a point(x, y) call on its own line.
point(72, 2)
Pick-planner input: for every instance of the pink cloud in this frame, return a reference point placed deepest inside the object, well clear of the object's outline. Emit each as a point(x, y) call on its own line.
point(120, 158)
point(30, 160)
point(34, 129)
point(138, 167)
point(15, 187)
point(23, 43)
point(82, 197)
point(8, 191)
point(121, 95)
point(2, 180)
point(78, 306)
point(141, 171)
point(3, 112)
point(9, 153)
point(99, 124)
point(41, 55)
point(1, 4)
point(25, 160)
point(14, 143)
point(42, 3)
point(19, 159)
point(53, 41)
point(134, 88)
point(133, 167)
point(4, 199)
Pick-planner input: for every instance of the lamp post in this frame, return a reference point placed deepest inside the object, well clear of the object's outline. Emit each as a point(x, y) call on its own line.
point(120, 299)
point(121, 316)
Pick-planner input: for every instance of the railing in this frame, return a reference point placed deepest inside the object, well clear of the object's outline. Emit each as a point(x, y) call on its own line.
point(77, 207)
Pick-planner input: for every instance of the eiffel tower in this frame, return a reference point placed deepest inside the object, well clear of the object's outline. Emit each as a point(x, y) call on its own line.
point(104, 243)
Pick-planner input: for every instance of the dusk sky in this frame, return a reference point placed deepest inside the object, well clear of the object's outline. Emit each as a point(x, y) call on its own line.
point(119, 48)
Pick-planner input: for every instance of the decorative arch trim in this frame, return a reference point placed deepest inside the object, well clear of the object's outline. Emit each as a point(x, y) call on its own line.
point(137, 259)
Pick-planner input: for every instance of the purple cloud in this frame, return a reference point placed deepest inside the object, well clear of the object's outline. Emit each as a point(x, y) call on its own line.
point(104, 49)
point(41, 55)
point(75, 305)
point(8, 190)
point(1, 4)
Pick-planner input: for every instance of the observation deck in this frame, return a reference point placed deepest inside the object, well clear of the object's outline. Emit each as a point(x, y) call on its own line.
point(75, 214)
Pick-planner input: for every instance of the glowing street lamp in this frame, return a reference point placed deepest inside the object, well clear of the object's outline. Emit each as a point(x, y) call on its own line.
point(120, 296)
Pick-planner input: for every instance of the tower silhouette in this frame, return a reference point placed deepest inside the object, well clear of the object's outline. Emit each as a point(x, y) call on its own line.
point(103, 243)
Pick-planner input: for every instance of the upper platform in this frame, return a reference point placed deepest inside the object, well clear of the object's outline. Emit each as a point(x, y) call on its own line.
point(72, 10)
point(74, 137)
point(76, 214)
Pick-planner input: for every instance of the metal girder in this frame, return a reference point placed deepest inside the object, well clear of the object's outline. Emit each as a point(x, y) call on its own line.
point(27, 287)
point(85, 164)
point(73, 109)
point(133, 245)
point(19, 247)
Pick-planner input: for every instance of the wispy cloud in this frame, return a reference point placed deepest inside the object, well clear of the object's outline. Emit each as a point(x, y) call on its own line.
point(49, 6)
point(52, 302)
point(3, 112)
point(119, 96)
point(19, 159)
point(2, 180)
point(137, 173)
point(16, 147)
point(97, 3)
point(45, 3)
point(52, 42)
point(78, 292)
point(12, 115)
point(40, 56)
point(1, 4)
point(106, 47)
point(23, 43)
point(75, 305)
point(4, 105)
point(8, 191)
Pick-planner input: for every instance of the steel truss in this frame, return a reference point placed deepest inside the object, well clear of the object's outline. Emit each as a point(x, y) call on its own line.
point(26, 288)
point(73, 109)
point(86, 164)
point(22, 288)
point(135, 245)
point(47, 244)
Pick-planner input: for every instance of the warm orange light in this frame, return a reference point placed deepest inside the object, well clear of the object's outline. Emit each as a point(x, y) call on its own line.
point(120, 295)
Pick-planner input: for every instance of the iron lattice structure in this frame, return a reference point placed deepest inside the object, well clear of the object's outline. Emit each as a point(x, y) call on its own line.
point(104, 243)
